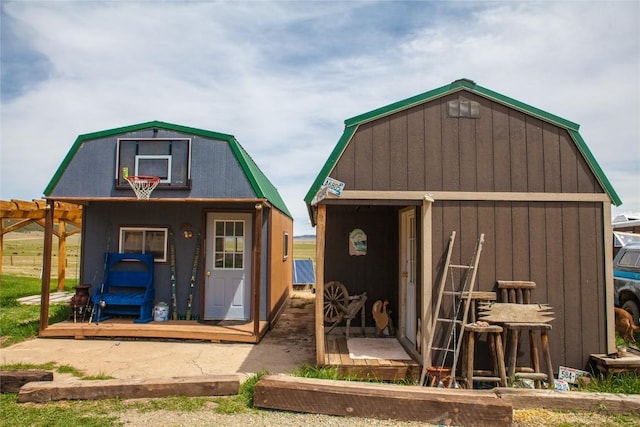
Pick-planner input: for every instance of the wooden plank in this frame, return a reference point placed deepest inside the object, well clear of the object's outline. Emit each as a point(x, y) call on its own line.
point(450, 150)
point(397, 160)
point(380, 156)
point(517, 151)
point(569, 400)
point(416, 148)
point(505, 312)
point(11, 381)
point(363, 158)
point(206, 385)
point(433, 145)
point(504, 196)
point(321, 227)
point(484, 146)
point(382, 401)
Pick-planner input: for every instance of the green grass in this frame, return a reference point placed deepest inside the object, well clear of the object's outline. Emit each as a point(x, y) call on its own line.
point(21, 322)
point(60, 414)
point(625, 383)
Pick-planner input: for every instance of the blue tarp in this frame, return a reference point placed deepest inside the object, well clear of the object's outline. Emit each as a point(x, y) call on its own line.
point(303, 272)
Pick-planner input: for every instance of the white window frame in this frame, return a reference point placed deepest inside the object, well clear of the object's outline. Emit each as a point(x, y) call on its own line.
point(160, 247)
point(285, 245)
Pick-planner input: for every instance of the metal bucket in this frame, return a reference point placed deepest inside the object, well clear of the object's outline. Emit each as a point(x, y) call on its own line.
point(161, 312)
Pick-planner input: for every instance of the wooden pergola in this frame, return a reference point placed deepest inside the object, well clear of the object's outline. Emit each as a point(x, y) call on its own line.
point(35, 211)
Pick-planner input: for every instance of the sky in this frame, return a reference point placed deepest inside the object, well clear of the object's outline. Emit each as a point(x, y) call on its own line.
point(282, 76)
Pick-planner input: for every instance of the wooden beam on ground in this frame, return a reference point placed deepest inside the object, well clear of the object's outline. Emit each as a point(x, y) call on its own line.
point(206, 385)
point(569, 400)
point(11, 381)
point(383, 401)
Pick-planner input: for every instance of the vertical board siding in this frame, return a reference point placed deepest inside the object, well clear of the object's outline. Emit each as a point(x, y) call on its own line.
point(555, 275)
point(434, 163)
point(558, 245)
point(415, 150)
point(535, 155)
point(363, 160)
point(537, 249)
point(573, 321)
point(568, 165)
point(398, 171)
point(575, 288)
point(423, 148)
point(468, 155)
point(484, 149)
point(501, 149)
point(589, 283)
point(450, 151)
point(551, 152)
point(280, 272)
point(381, 156)
point(520, 239)
point(518, 151)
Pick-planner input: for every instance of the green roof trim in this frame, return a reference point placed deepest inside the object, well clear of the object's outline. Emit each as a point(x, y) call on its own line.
point(259, 181)
point(330, 163)
point(352, 124)
point(458, 85)
point(595, 167)
point(260, 184)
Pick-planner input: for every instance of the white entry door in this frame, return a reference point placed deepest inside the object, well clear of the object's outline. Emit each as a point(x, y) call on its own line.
point(228, 267)
point(408, 270)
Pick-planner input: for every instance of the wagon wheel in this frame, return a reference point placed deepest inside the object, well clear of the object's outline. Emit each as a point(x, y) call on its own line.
point(335, 297)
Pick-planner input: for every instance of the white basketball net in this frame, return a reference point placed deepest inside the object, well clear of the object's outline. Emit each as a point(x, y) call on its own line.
point(143, 185)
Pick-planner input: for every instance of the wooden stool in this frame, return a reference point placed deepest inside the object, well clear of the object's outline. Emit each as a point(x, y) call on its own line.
point(494, 337)
point(532, 372)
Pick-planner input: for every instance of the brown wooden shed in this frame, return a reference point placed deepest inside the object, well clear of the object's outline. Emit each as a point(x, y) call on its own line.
point(464, 158)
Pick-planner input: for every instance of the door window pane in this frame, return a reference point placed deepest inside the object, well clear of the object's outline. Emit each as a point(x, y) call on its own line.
point(229, 247)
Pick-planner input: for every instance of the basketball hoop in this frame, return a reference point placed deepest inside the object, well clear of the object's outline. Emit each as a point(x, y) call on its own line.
point(143, 185)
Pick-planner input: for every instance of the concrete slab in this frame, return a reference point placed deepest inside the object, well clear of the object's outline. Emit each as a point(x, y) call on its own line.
point(287, 346)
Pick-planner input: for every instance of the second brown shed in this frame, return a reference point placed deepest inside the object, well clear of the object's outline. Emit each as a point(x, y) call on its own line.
point(464, 158)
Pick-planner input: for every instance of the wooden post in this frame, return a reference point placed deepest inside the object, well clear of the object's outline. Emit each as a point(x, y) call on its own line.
point(321, 224)
point(608, 277)
point(427, 278)
point(257, 262)
point(1, 244)
point(62, 254)
point(46, 266)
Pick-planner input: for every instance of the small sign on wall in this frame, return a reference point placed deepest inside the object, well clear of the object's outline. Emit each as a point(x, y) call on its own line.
point(333, 186)
point(357, 242)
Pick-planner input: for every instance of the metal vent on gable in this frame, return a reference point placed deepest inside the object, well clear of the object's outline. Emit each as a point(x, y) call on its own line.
point(464, 108)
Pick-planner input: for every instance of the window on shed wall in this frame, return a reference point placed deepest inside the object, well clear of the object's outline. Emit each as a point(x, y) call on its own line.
point(285, 246)
point(144, 240)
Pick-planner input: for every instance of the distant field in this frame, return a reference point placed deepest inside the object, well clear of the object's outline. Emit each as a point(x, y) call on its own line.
point(304, 248)
point(22, 253)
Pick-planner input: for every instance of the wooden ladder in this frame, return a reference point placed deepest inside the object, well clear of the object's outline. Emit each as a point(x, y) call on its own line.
point(452, 327)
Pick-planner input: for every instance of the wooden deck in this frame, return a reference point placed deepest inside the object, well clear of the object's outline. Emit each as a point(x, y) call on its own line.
point(172, 329)
point(337, 355)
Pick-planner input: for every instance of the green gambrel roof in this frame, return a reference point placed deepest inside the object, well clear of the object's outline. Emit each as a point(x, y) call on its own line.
point(260, 184)
point(352, 124)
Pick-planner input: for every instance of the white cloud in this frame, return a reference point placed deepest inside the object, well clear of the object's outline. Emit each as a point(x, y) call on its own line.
point(283, 76)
